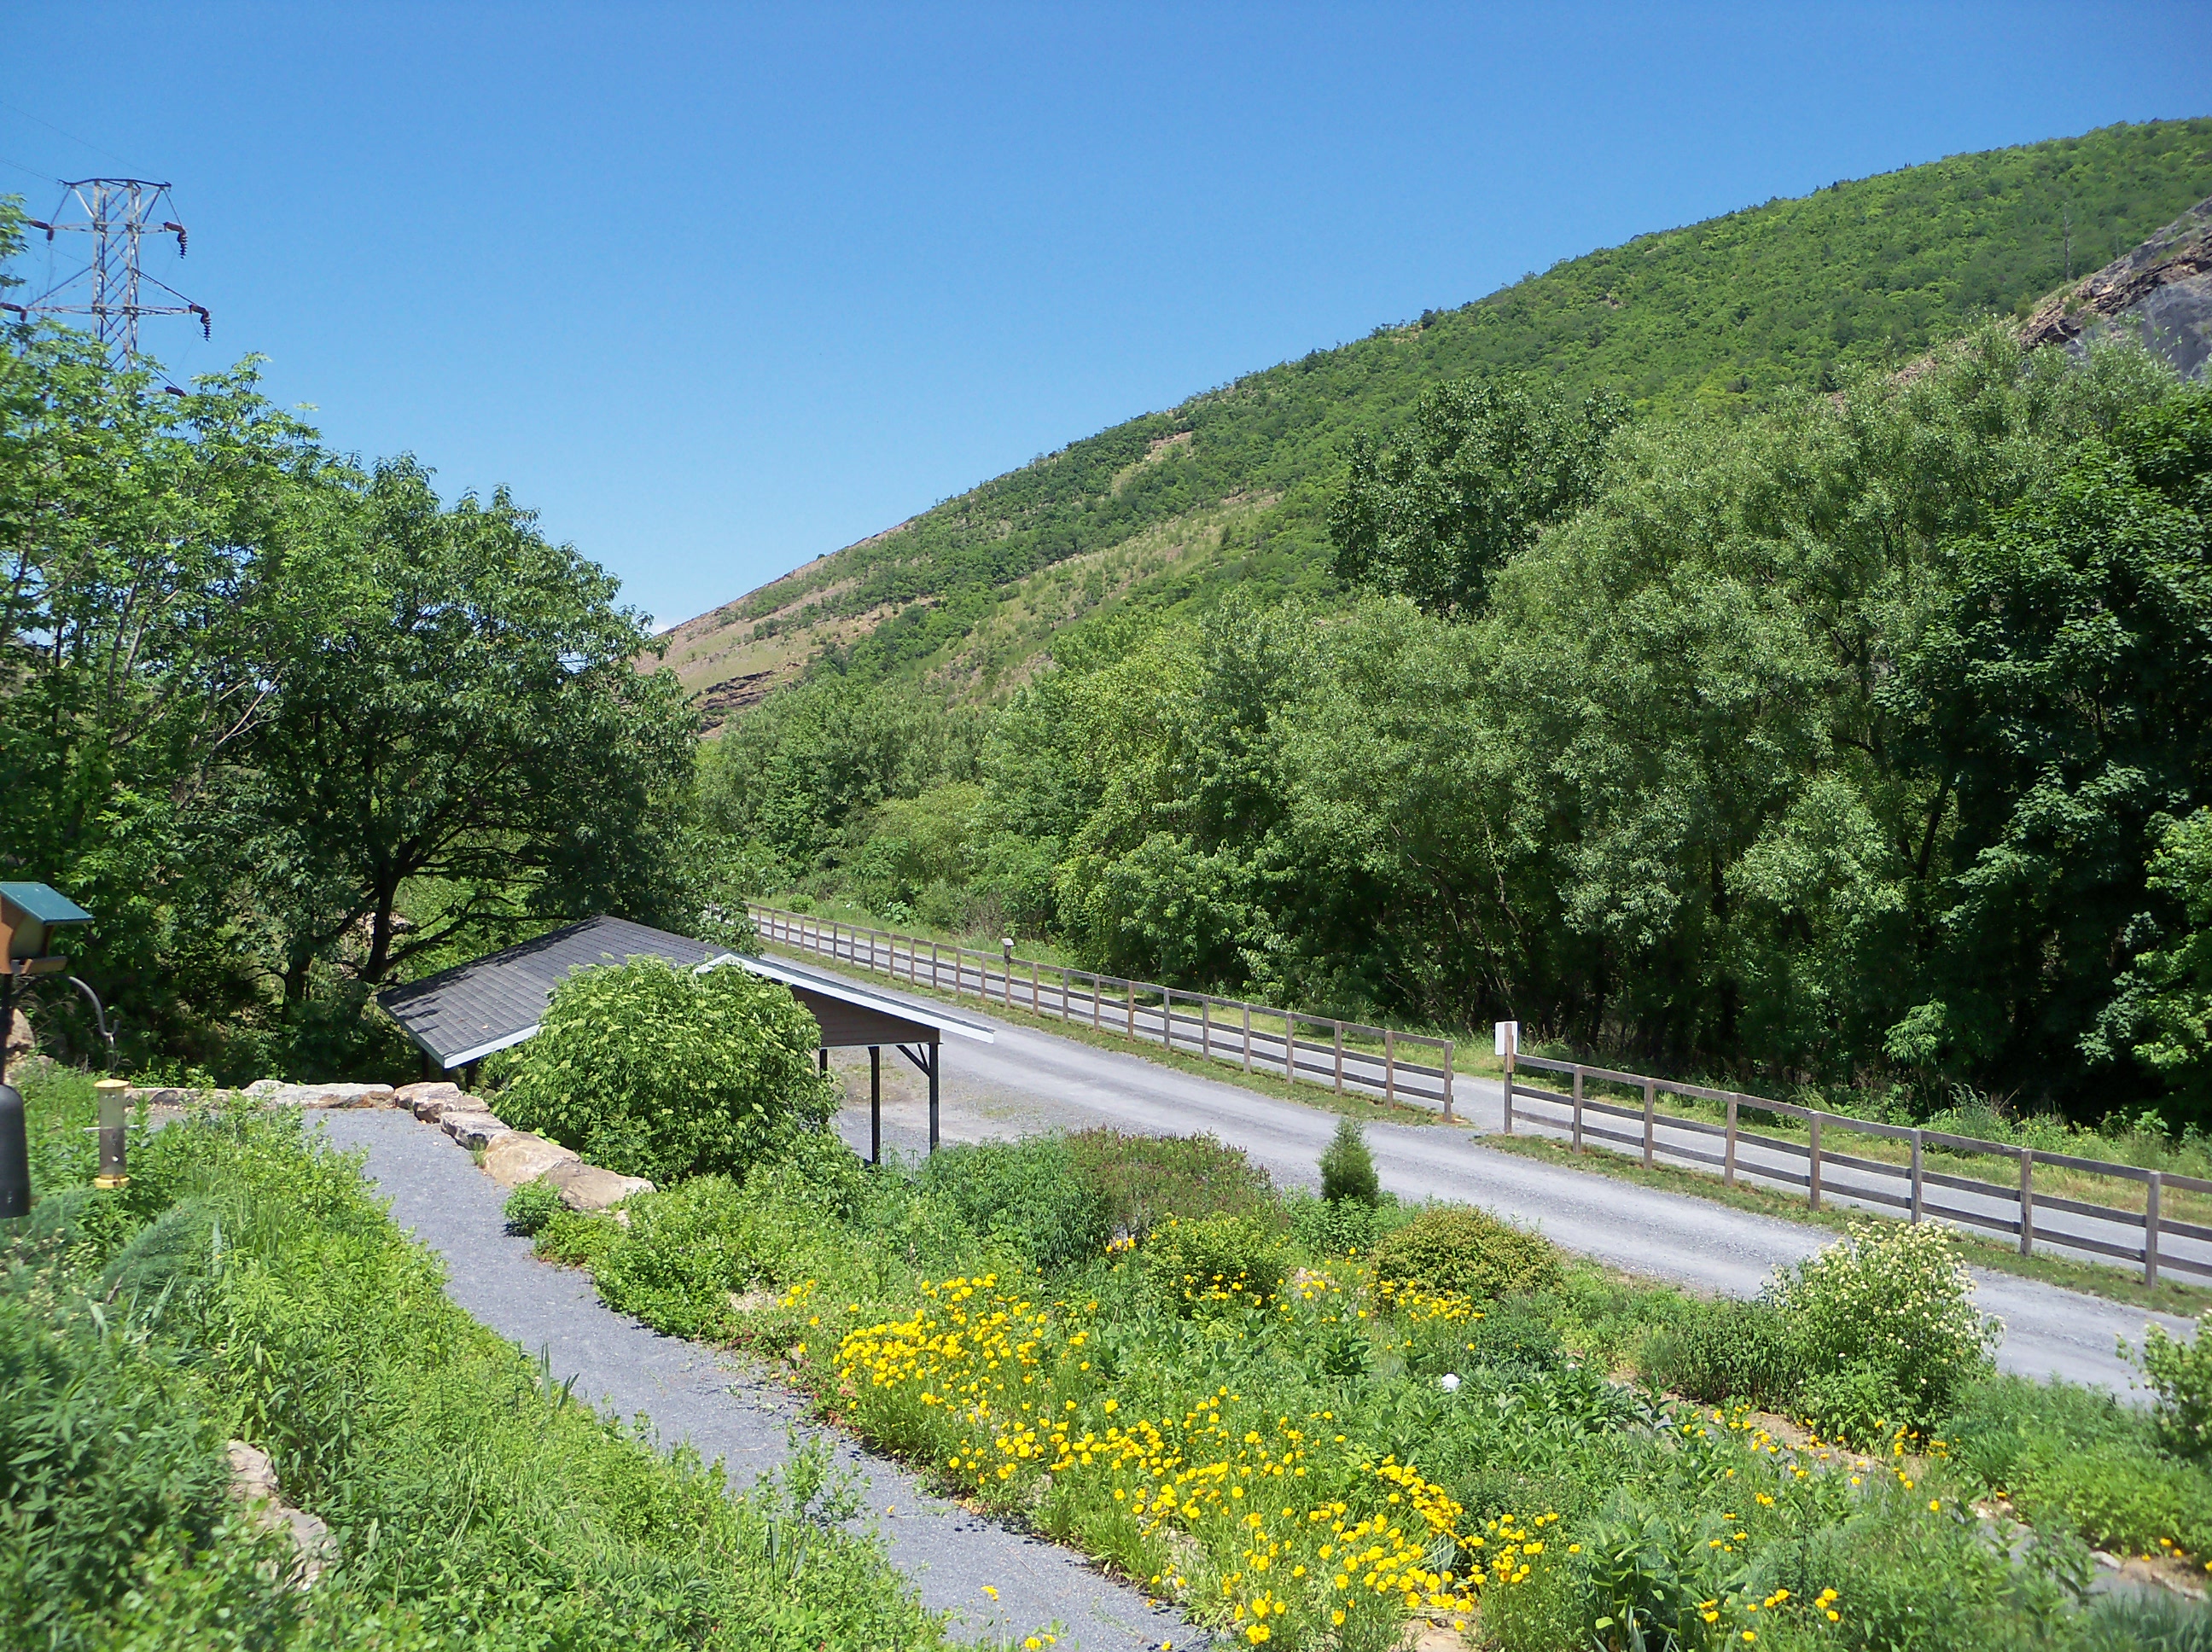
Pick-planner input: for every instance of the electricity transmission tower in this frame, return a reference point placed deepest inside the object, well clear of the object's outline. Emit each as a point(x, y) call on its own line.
point(117, 214)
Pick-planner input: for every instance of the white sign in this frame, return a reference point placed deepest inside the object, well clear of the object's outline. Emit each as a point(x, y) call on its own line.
point(1506, 1036)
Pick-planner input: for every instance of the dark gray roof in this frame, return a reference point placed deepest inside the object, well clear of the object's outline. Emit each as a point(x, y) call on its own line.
point(920, 1015)
point(464, 1013)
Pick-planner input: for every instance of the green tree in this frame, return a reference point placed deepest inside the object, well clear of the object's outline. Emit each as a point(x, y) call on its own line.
point(1485, 465)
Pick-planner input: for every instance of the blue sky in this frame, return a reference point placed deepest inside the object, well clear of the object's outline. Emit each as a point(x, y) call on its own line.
point(717, 290)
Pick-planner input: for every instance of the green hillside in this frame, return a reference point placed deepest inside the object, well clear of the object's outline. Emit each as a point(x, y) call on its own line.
point(1230, 485)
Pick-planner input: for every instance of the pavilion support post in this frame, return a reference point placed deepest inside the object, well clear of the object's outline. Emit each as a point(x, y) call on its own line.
point(936, 1060)
point(822, 1055)
point(875, 1103)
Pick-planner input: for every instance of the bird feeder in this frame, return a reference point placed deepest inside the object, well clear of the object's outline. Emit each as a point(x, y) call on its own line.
point(32, 916)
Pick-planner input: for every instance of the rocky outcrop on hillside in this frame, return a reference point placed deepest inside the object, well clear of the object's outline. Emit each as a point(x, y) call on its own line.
point(2160, 295)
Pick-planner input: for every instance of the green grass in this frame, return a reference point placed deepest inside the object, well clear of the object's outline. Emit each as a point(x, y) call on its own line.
point(247, 1284)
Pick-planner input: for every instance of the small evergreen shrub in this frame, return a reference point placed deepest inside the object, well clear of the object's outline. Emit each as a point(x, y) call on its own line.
point(1726, 1349)
point(1216, 1259)
point(530, 1206)
point(1027, 1195)
point(1457, 1248)
point(1896, 1301)
point(2180, 1374)
point(655, 1071)
point(1347, 1168)
point(1145, 1180)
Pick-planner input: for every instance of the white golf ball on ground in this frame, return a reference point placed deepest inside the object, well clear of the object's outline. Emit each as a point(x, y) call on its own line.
point(1449, 1381)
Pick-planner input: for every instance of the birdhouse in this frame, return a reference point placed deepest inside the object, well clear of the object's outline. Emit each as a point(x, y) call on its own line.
point(33, 917)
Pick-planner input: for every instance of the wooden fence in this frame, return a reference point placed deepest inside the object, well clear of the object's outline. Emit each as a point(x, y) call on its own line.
point(1344, 1056)
point(1910, 1186)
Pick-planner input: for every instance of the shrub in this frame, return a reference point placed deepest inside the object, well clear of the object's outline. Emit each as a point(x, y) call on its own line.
point(530, 1206)
point(1725, 1350)
point(1457, 1248)
point(684, 1253)
point(2181, 1375)
point(1025, 1195)
point(1325, 1228)
point(1897, 1301)
point(1145, 1180)
point(653, 1071)
point(1857, 1405)
point(2119, 1498)
point(1999, 1423)
point(1216, 1259)
point(1347, 1168)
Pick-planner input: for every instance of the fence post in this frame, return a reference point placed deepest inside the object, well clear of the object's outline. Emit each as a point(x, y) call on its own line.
point(1650, 1103)
point(1206, 1027)
point(1512, 1048)
point(2150, 1227)
point(1447, 1080)
point(1248, 1037)
point(1390, 1064)
point(1578, 1109)
point(1338, 1025)
point(1918, 1187)
point(1290, 1049)
point(1132, 986)
point(1167, 1018)
point(1064, 979)
point(1097, 999)
point(1813, 1160)
point(1728, 1168)
point(2028, 1201)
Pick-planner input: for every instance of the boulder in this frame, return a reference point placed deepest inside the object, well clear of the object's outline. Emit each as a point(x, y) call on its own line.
point(253, 1483)
point(412, 1096)
point(277, 1093)
point(431, 1109)
point(476, 1129)
point(517, 1156)
point(587, 1187)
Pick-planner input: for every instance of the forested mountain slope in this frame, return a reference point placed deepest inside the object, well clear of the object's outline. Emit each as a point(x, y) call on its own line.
point(1231, 483)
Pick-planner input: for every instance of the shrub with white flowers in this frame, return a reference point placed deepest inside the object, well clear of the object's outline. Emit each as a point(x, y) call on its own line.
point(1893, 1300)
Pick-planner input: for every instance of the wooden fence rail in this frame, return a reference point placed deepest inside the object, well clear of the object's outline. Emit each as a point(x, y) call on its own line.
point(1344, 1056)
point(1904, 1186)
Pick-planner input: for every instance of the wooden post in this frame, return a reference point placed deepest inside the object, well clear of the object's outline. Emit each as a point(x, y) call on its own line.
point(1727, 1169)
point(1448, 1081)
point(1578, 1110)
point(1206, 1027)
point(1248, 1038)
point(1340, 1057)
point(1065, 980)
point(1036, 996)
point(1290, 1050)
point(935, 980)
point(2150, 1227)
point(2028, 1201)
point(1512, 1049)
point(1918, 1186)
point(1097, 1000)
point(1650, 1103)
point(1167, 1018)
point(1813, 1160)
point(1390, 1064)
point(1132, 986)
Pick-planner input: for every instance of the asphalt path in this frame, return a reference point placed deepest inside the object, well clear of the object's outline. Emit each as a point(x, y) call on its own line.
point(1029, 1080)
point(728, 1406)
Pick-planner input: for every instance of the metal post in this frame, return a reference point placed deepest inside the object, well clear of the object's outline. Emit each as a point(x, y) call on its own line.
point(1390, 1064)
point(822, 1055)
point(2150, 1227)
point(2028, 1201)
point(875, 1104)
point(1919, 1192)
point(15, 1150)
point(1578, 1110)
point(1813, 1162)
point(1651, 1102)
point(936, 1060)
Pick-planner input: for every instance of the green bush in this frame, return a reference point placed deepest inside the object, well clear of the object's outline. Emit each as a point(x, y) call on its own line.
point(1857, 1406)
point(656, 1071)
point(1347, 1168)
point(1895, 1300)
point(684, 1253)
point(1216, 1259)
point(1457, 1248)
point(1026, 1195)
point(1330, 1229)
point(1725, 1350)
point(2181, 1375)
point(530, 1206)
point(1145, 1180)
point(1999, 1422)
point(2118, 1499)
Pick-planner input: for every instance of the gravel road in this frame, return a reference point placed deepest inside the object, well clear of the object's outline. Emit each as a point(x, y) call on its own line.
point(728, 1407)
